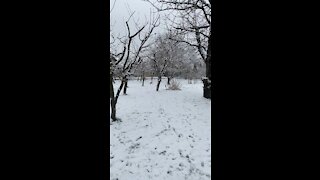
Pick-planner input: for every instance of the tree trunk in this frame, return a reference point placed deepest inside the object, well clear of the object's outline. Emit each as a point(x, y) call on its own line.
point(143, 78)
point(207, 82)
point(169, 80)
point(113, 103)
point(125, 86)
point(113, 109)
point(114, 100)
point(111, 86)
point(159, 81)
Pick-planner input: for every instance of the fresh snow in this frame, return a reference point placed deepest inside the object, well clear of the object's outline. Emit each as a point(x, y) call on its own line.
point(162, 135)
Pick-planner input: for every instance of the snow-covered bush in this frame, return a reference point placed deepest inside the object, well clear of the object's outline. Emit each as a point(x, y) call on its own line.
point(174, 85)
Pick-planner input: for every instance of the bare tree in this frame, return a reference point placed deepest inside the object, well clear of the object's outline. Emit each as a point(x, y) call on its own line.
point(165, 55)
point(191, 20)
point(133, 45)
point(141, 71)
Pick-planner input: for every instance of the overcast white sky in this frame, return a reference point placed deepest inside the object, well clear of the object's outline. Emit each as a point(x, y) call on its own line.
point(120, 13)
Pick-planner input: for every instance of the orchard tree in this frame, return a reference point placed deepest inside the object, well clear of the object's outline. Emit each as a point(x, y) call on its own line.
point(192, 66)
point(141, 71)
point(124, 62)
point(164, 56)
point(191, 19)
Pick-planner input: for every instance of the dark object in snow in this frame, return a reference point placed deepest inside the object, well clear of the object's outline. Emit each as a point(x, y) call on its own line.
point(139, 138)
point(134, 146)
point(163, 153)
point(180, 152)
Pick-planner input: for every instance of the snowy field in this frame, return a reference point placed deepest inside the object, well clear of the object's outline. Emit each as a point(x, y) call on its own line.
point(163, 135)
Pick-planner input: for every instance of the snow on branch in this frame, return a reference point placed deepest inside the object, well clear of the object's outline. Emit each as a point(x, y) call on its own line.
point(189, 17)
point(129, 57)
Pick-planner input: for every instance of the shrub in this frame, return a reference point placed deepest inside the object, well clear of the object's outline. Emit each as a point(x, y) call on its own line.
point(174, 85)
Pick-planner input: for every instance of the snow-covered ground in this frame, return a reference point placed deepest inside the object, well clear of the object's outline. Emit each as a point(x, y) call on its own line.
point(163, 135)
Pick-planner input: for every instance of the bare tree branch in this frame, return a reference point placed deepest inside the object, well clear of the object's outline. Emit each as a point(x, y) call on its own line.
point(114, 3)
point(192, 17)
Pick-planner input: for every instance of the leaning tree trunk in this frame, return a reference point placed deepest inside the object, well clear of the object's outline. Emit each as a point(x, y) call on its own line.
point(113, 103)
point(207, 81)
point(114, 100)
point(158, 84)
